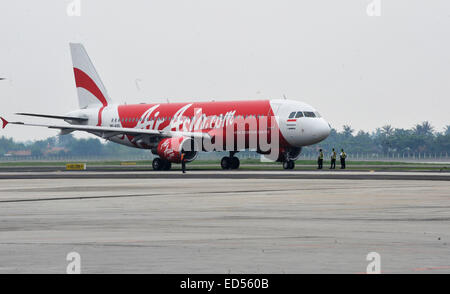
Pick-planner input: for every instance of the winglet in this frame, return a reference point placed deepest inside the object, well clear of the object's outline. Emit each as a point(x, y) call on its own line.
point(5, 122)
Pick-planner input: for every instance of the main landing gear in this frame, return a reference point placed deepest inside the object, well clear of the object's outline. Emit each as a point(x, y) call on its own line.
point(161, 164)
point(289, 164)
point(231, 162)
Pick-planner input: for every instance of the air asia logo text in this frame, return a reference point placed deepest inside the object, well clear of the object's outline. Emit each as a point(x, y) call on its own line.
point(180, 122)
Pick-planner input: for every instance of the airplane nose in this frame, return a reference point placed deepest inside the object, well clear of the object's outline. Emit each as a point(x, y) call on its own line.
point(324, 130)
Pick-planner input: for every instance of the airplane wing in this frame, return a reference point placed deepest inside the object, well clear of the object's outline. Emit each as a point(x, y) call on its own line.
point(108, 132)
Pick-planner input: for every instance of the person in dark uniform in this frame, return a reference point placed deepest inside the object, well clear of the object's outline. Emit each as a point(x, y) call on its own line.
point(343, 157)
point(183, 162)
point(320, 159)
point(333, 159)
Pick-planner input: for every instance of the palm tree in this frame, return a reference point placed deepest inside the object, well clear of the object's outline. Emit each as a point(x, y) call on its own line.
point(348, 131)
point(423, 129)
point(387, 130)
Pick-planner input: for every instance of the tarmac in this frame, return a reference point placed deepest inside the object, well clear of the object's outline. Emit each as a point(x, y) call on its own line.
point(224, 222)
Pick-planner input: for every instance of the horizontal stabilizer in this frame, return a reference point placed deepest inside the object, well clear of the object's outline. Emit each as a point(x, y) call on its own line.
point(80, 119)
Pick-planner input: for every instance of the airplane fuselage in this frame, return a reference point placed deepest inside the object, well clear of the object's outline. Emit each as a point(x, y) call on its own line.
point(214, 118)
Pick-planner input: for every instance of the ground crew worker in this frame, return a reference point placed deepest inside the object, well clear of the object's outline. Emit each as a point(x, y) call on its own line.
point(320, 159)
point(343, 157)
point(183, 162)
point(333, 159)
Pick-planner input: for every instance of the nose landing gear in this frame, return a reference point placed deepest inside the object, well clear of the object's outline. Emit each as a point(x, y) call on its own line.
point(231, 162)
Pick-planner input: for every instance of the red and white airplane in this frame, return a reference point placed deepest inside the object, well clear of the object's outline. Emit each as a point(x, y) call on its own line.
point(170, 129)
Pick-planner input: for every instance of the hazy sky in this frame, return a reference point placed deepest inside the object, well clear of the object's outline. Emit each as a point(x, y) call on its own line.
point(366, 71)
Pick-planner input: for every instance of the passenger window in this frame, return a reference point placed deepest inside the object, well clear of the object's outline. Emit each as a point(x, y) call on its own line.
point(299, 114)
point(292, 115)
point(309, 114)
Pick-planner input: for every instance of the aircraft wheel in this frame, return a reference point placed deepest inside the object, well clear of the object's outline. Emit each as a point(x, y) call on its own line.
point(157, 164)
point(235, 163)
point(225, 163)
point(291, 164)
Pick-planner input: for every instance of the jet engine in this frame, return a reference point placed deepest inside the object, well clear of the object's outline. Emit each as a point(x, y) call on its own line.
point(170, 149)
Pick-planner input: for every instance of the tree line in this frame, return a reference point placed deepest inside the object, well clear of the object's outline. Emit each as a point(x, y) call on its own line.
point(68, 145)
point(422, 138)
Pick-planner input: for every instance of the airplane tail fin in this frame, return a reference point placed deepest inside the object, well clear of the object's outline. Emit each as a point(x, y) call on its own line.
point(91, 91)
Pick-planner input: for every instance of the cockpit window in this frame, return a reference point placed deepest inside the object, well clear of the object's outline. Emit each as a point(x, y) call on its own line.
point(317, 114)
point(299, 114)
point(310, 114)
point(292, 115)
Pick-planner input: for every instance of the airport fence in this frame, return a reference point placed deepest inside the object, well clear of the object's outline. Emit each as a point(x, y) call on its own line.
point(399, 157)
point(74, 158)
